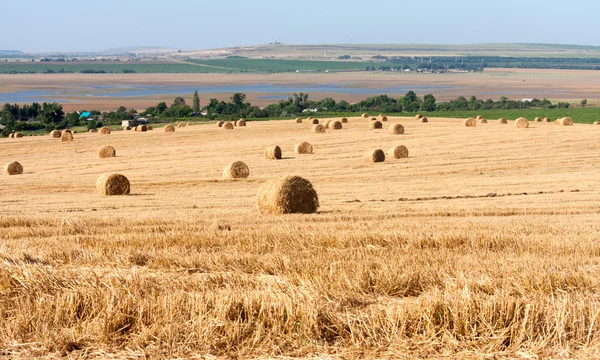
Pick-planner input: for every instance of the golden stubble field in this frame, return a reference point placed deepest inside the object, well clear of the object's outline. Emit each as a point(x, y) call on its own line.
point(483, 242)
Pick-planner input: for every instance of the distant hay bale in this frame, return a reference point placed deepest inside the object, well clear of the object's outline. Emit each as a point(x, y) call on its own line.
point(11, 135)
point(547, 119)
point(326, 124)
point(55, 134)
point(112, 184)
point(375, 125)
point(335, 125)
point(241, 122)
point(344, 120)
point(93, 131)
point(521, 123)
point(66, 135)
point(315, 121)
point(424, 120)
point(149, 127)
point(538, 119)
point(479, 117)
point(273, 152)
point(381, 115)
point(597, 122)
point(418, 117)
point(470, 122)
point(228, 126)
point(398, 152)
point(127, 128)
point(383, 118)
point(13, 168)
point(169, 128)
point(106, 151)
point(483, 121)
point(18, 135)
point(304, 148)
point(365, 116)
point(298, 120)
point(141, 128)
point(374, 156)
point(288, 195)
point(104, 130)
point(309, 118)
point(182, 124)
point(236, 170)
point(318, 129)
point(373, 119)
point(502, 121)
point(397, 129)
point(220, 123)
point(566, 121)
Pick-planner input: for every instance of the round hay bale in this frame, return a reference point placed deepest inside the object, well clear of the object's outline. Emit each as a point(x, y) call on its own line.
point(13, 168)
point(288, 195)
point(597, 122)
point(240, 122)
point(521, 123)
point(93, 131)
point(418, 117)
point(104, 130)
point(547, 119)
point(55, 134)
point(479, 117)
point(397, 129)
point(381, 115)
point(127, 128)
point(318, 129)
point(11, 135)
point(335, 125)
point(383, 118)
point(538, 119)
point(483, 121)
point(365, 116)
point(566, 121)
point(374, 156)
point(236, 170)
point(112, 184)
point(106, 151)
point(398, 152)
point(169, 128)
point(502, 121)
point(315, 121)
point(228, 126)
point(182, 124)
point(273, 152)
point(304, 148)
point(149, 127)
point(373, 119)
point(18, 135)
point(309, 118)
point(344, 120)
point(326, 124)
point(424, 120)
point(470, 122)
point(66, 135)
point(141, 128)
point(298, 120)
point(375, 125)
point(220, 123)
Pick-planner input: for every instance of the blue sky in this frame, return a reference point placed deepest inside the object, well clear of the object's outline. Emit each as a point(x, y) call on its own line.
point(84, 25)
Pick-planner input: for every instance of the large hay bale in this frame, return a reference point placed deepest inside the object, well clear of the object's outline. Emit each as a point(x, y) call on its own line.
point(169, 128)
point(374, 156)
point(470, 122)
point(315, 121)
point(418, 117)
point(106, 151)
point(92, 131)
point(335, 125)
point(383, 118)
point(55, 134)
point(241, 122)
point(304, 148)
point(228, 126)
point(538, 119)
point(236, 170)
point(66, 135)
point(483, 121)
point(298, 120)
point(141, 128)
point(104, 130)
point(566, 121)
point(397, 129)
point(398, 152)
point(318, 129)
point(13, 168)
point(344, 120)
point(521, 123)
point(375, 125)
point(424, 120)
point(326, 123)
point(220, 123)
point(502, 121)
point(273, 152)
point(547, 119)
point(288, 195)
point(112, 184)
point(365, 116)
point(18, 135)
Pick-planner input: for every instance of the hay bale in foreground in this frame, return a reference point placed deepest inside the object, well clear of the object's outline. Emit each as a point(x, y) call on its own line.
point(104, 130)
point(273, 152)
point(470, 122)
point(521, 123)
point(304, 148)
point(344, 120)
point(55, 134)
point(318, 129)
point(374, 156)
point(375, 125)
point(397, 129)
point(220, 123)
point(483, 121)
point(298, 120)
point(566, 121)
point(335, 125)
point(169, 128)
point(502, 121)
point(93, 131)
point(13, 168)
point(106, 151)
point(288, 195)
point(241, 122)
point(315, 121)
point(141, 128)
point(398, 152)
point(112, 184)
point(18, 135)
point(418, 117)
point(236, 170)
point(66, 135)
point(228, 126)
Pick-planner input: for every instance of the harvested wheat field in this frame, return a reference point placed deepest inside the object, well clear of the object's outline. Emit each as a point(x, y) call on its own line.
point(482, 243)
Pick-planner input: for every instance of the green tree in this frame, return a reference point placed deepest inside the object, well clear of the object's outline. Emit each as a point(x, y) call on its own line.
point(428, 102)
point(196, 102)
point(238, 98)
point(179, 101)
point(52, 113)
point(583, 103)
point(160, 108)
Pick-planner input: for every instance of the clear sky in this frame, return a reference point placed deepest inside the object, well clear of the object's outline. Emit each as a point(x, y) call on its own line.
point(85, 25)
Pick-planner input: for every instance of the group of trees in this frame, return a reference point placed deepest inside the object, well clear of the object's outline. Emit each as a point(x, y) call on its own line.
point(178, 109)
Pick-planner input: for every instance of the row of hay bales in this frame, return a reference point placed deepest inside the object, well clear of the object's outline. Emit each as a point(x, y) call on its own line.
point(229, 125)
point(378, 155)
point(520, 123)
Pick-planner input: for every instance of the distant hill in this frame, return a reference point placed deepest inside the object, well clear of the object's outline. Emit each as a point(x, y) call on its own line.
point(11, 52)
point(138, 50)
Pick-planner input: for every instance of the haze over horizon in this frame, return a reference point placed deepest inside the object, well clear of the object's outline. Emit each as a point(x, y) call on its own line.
point(71, 26)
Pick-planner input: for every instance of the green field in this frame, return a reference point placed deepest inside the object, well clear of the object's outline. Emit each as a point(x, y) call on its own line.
point(271, 65)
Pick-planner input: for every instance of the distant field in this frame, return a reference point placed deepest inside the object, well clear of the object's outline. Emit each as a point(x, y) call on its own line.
point(60, 67)
point(269, 65)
